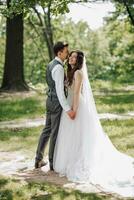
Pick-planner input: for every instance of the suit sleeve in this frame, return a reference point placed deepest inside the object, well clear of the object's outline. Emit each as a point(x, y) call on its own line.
point(58, 77)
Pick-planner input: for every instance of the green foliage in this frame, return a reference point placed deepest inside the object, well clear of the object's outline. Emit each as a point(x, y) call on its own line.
point(22, 6)
point(108, 50)
point(124, 9)
point(35, 54)
point(121, 48)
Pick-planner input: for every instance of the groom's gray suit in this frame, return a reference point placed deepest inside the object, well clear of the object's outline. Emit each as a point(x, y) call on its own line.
point(53, 112)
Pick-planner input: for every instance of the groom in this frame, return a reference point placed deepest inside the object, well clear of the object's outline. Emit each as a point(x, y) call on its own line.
point(56, 101)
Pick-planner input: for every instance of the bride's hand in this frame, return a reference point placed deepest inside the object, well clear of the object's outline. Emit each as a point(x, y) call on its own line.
point(71, 114)
point(74, 109)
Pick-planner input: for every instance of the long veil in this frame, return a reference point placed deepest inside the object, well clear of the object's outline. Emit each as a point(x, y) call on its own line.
point(110, 168)
point(87, 91)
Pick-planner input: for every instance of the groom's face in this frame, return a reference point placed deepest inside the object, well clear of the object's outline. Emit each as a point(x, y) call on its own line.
point(64, 53)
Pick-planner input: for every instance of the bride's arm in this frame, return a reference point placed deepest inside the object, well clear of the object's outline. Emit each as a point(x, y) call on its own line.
point(77, 89)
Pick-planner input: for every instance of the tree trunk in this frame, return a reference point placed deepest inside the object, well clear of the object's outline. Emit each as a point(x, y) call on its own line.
point(49, 43)
point(13, 77)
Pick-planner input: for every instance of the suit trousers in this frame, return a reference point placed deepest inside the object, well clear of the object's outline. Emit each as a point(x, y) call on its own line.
point(53, 115)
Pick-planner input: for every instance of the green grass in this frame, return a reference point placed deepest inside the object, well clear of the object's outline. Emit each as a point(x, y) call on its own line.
point(18, 190)
point(24, 139)
point(121, 132)
point(113, 97)
point(111, 87)
point(109, 97)
point(120, 103)
point(19, 108)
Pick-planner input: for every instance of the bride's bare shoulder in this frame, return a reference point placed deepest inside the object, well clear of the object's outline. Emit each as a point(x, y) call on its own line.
point(78, 74)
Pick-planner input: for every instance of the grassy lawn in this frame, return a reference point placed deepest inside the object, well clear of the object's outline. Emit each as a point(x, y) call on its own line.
point(120, 103)
point(16, 190)
point(24, 139)
point(18, 107)
point(113, 97)
point(120, 132)
point(109, 97)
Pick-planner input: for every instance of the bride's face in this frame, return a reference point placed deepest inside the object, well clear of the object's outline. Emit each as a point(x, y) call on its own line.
point(73, 59)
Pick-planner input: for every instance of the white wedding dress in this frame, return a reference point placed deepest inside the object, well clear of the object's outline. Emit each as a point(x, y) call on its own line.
point(85, 154)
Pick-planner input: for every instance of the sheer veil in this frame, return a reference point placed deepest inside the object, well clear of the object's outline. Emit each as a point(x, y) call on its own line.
point(88, 97)
point(117, 169)
point(87, 91)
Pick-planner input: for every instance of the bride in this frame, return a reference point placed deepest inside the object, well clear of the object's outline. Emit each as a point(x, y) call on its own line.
point(83, 152)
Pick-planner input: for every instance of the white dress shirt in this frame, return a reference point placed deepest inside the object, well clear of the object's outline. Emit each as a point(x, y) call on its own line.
point(58, 77)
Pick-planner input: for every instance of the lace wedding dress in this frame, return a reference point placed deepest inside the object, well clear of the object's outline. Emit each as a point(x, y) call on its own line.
point(85, 154)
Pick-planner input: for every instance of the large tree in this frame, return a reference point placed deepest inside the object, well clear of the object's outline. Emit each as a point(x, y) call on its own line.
point(13, 77)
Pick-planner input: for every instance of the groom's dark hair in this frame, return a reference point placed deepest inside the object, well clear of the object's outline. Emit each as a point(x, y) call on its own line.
point(59, 46)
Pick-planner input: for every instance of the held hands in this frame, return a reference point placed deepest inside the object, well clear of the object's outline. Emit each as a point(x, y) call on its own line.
point(71, 114)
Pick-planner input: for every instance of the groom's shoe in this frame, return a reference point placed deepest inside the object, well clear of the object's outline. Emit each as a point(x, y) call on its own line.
point(51, 167)
point(39, 164)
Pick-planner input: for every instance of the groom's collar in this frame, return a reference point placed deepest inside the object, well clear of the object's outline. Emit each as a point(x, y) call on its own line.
point(57, 58)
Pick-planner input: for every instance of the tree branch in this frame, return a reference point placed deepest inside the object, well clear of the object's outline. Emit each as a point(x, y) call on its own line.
point(39, 16)
point(129, 12)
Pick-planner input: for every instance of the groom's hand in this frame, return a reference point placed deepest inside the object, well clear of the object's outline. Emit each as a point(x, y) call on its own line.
point(71, 114)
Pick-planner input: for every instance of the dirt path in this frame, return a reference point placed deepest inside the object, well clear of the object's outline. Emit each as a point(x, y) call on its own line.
point(20, 166)
point(16, 164)
point(26, 123)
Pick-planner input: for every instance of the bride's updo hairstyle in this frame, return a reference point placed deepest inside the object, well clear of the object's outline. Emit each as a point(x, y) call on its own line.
point(78, 66)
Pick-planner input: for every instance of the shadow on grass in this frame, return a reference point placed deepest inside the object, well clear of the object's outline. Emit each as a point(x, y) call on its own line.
point(46, 191)
point(119, 99)
point(118, 123)
point(117, 103)
point(108, 91)
point(18, 132)
point(6, 195)
point(57, 193)
point(3, 182)
point(71, 196)
point(118, 129)
point(19, 108)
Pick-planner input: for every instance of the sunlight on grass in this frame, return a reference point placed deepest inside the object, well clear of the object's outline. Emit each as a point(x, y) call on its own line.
point(113, 97)
point(121, 132)
point(110, 86)
point(15, 108)
point(109, 97)
point(24, 139)
point(20, 190)
point(115, 104)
